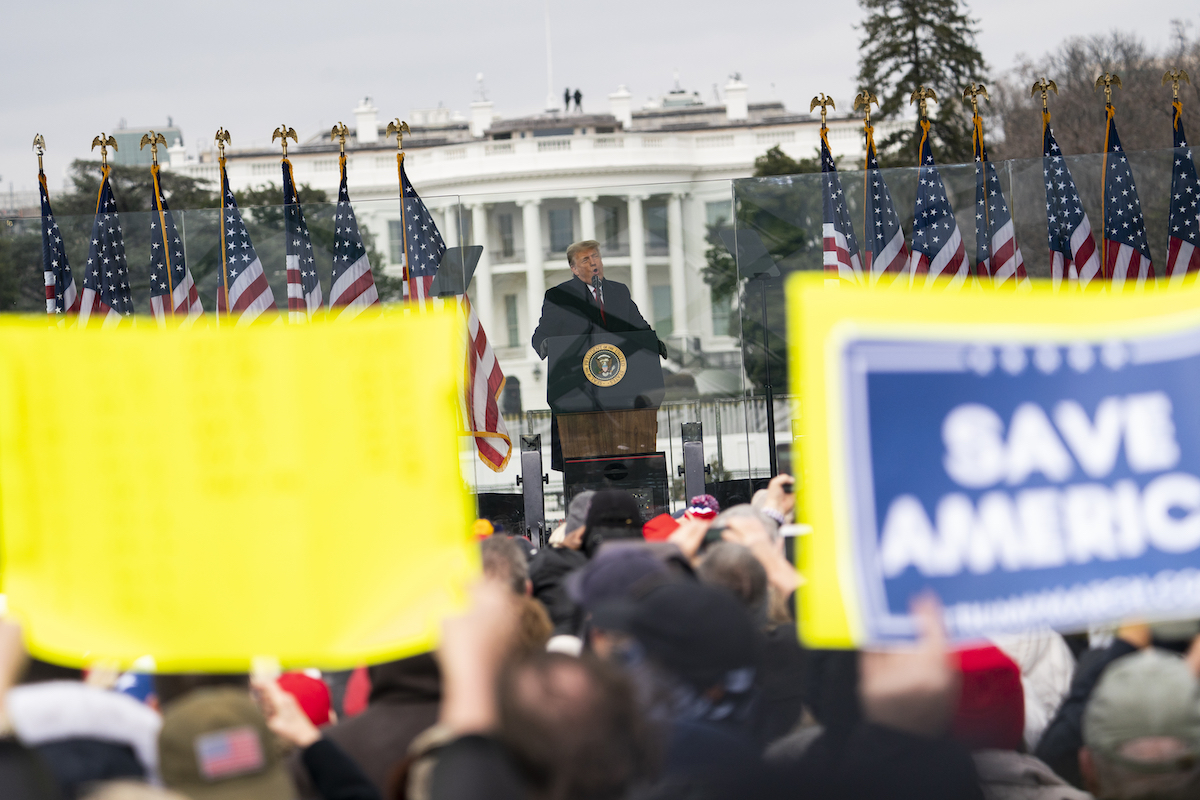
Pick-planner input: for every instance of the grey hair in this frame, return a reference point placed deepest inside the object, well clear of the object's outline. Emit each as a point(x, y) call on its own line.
point(747, 510)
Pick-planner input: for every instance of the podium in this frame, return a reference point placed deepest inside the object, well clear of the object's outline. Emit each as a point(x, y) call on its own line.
point(605, 389)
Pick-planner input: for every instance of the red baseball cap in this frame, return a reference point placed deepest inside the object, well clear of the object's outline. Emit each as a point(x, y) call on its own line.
point(310, 693)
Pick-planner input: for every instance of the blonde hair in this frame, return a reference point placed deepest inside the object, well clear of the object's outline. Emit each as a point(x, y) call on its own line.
point(579, 247)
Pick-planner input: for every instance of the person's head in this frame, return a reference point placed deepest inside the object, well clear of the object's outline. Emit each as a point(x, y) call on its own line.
point(576, 520)
point(201, 728)
point(613, 514)
point(697, 641)
point(584, 259)
point(504, 561)
point(534, 627)
point(574, 727)
point(615, 571)
point(1141, 729)
point(738, 570)
point(745, 511)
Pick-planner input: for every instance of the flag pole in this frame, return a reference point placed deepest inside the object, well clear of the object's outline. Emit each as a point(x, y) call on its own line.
point(223, 139)
point(863, 100)
point(39, 147)
point(154, 140)
point(972, 94)
point(103, 142)
point(1106, 80)
point(398, 128)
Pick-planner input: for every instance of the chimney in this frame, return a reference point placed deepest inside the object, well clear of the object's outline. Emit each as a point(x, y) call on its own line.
point(367, 128)
point(620, 105)
point(481, 117)
point(736, 105)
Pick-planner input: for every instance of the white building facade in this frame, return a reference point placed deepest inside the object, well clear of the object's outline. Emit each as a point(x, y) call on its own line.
point(645, 183)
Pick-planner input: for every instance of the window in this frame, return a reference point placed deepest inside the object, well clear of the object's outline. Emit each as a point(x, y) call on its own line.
point(504, 222)
point(395, 242)
point(656, 227)
point(510, 316)
point(561, 231)
point(722, 310)
point(664, 322)
point(609, 227)
point(718, 213)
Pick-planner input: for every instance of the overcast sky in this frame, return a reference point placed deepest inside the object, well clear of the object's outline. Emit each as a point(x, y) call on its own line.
point(77, 68)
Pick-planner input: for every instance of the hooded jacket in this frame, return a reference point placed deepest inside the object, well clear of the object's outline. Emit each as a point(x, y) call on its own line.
point(404, 701)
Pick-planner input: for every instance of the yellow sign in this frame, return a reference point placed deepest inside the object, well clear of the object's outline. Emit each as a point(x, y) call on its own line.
point(1032, 459)
point(206, 497)
point(604, 364)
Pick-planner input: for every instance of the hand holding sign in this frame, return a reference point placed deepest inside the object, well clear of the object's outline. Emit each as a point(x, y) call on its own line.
point(1030, 465)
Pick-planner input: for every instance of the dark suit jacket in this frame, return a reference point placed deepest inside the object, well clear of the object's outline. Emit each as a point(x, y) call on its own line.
point(569, 310)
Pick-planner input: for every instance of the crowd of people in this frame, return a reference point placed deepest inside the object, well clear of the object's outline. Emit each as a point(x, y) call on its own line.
point(639, 659)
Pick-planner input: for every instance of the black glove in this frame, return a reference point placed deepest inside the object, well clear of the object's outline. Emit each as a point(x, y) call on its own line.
point(662, 348)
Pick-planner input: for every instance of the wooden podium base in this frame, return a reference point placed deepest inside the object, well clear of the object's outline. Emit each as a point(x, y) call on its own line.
point(608, 433)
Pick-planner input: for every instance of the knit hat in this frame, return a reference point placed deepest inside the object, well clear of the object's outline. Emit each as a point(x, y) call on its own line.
point(215, 745)
point(991, 705)
point(577, 511)
point(613, 514)
point(1148, 693)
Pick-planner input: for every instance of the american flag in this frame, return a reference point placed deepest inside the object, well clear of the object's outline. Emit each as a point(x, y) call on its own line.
point(303, 286)
point(423, 245)
point(841, 247)
point(352, 287)
point(1072, 249)
point(484, 380)
point(1183, 257)
point(106, 278)
point(169, 275)
point(228, 753)
point(887, 252)
point(61, 296)
point(243, 288)
point(997, 256)
point(1126, 251)
point(937, 248)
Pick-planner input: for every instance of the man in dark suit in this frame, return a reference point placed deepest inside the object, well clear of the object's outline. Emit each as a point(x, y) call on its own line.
point(586, 303)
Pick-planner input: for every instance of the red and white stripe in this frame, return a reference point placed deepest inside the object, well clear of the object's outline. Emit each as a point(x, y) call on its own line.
point(249, 294)
point(485, 382)
point(838, 261)
point(1006, 261)
point(186, 299)
point(1083, 251)
point(1182, 260)
point(949, 268)
point(70, 295)
point(354, 291)
point(416, 290)
point(298, 310)
point(892, 261)
point(1127, 265)
point(90, 303)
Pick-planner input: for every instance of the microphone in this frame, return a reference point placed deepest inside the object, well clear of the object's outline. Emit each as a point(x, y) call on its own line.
point(596, 283)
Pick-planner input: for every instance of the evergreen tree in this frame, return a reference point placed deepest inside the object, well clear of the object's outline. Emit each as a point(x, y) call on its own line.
point(911, 43)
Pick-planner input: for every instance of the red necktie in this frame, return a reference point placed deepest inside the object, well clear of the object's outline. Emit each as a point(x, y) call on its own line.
point(600, 300)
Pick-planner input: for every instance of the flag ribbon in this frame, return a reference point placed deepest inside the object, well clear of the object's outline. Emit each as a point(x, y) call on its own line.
point(977, 138)
point(869, 131)
point(224, 256)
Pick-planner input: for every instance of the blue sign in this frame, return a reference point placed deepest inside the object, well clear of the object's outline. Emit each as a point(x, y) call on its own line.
point(1025, 484)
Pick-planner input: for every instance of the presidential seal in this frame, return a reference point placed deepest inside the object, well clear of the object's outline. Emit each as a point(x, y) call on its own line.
point(604, 365)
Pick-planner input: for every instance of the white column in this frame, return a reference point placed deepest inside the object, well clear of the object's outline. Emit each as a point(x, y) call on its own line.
point(535, 278)
point(484, 302)
point(587, 217)
point(637, 257)
point(450, 228)
point(679, 303)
